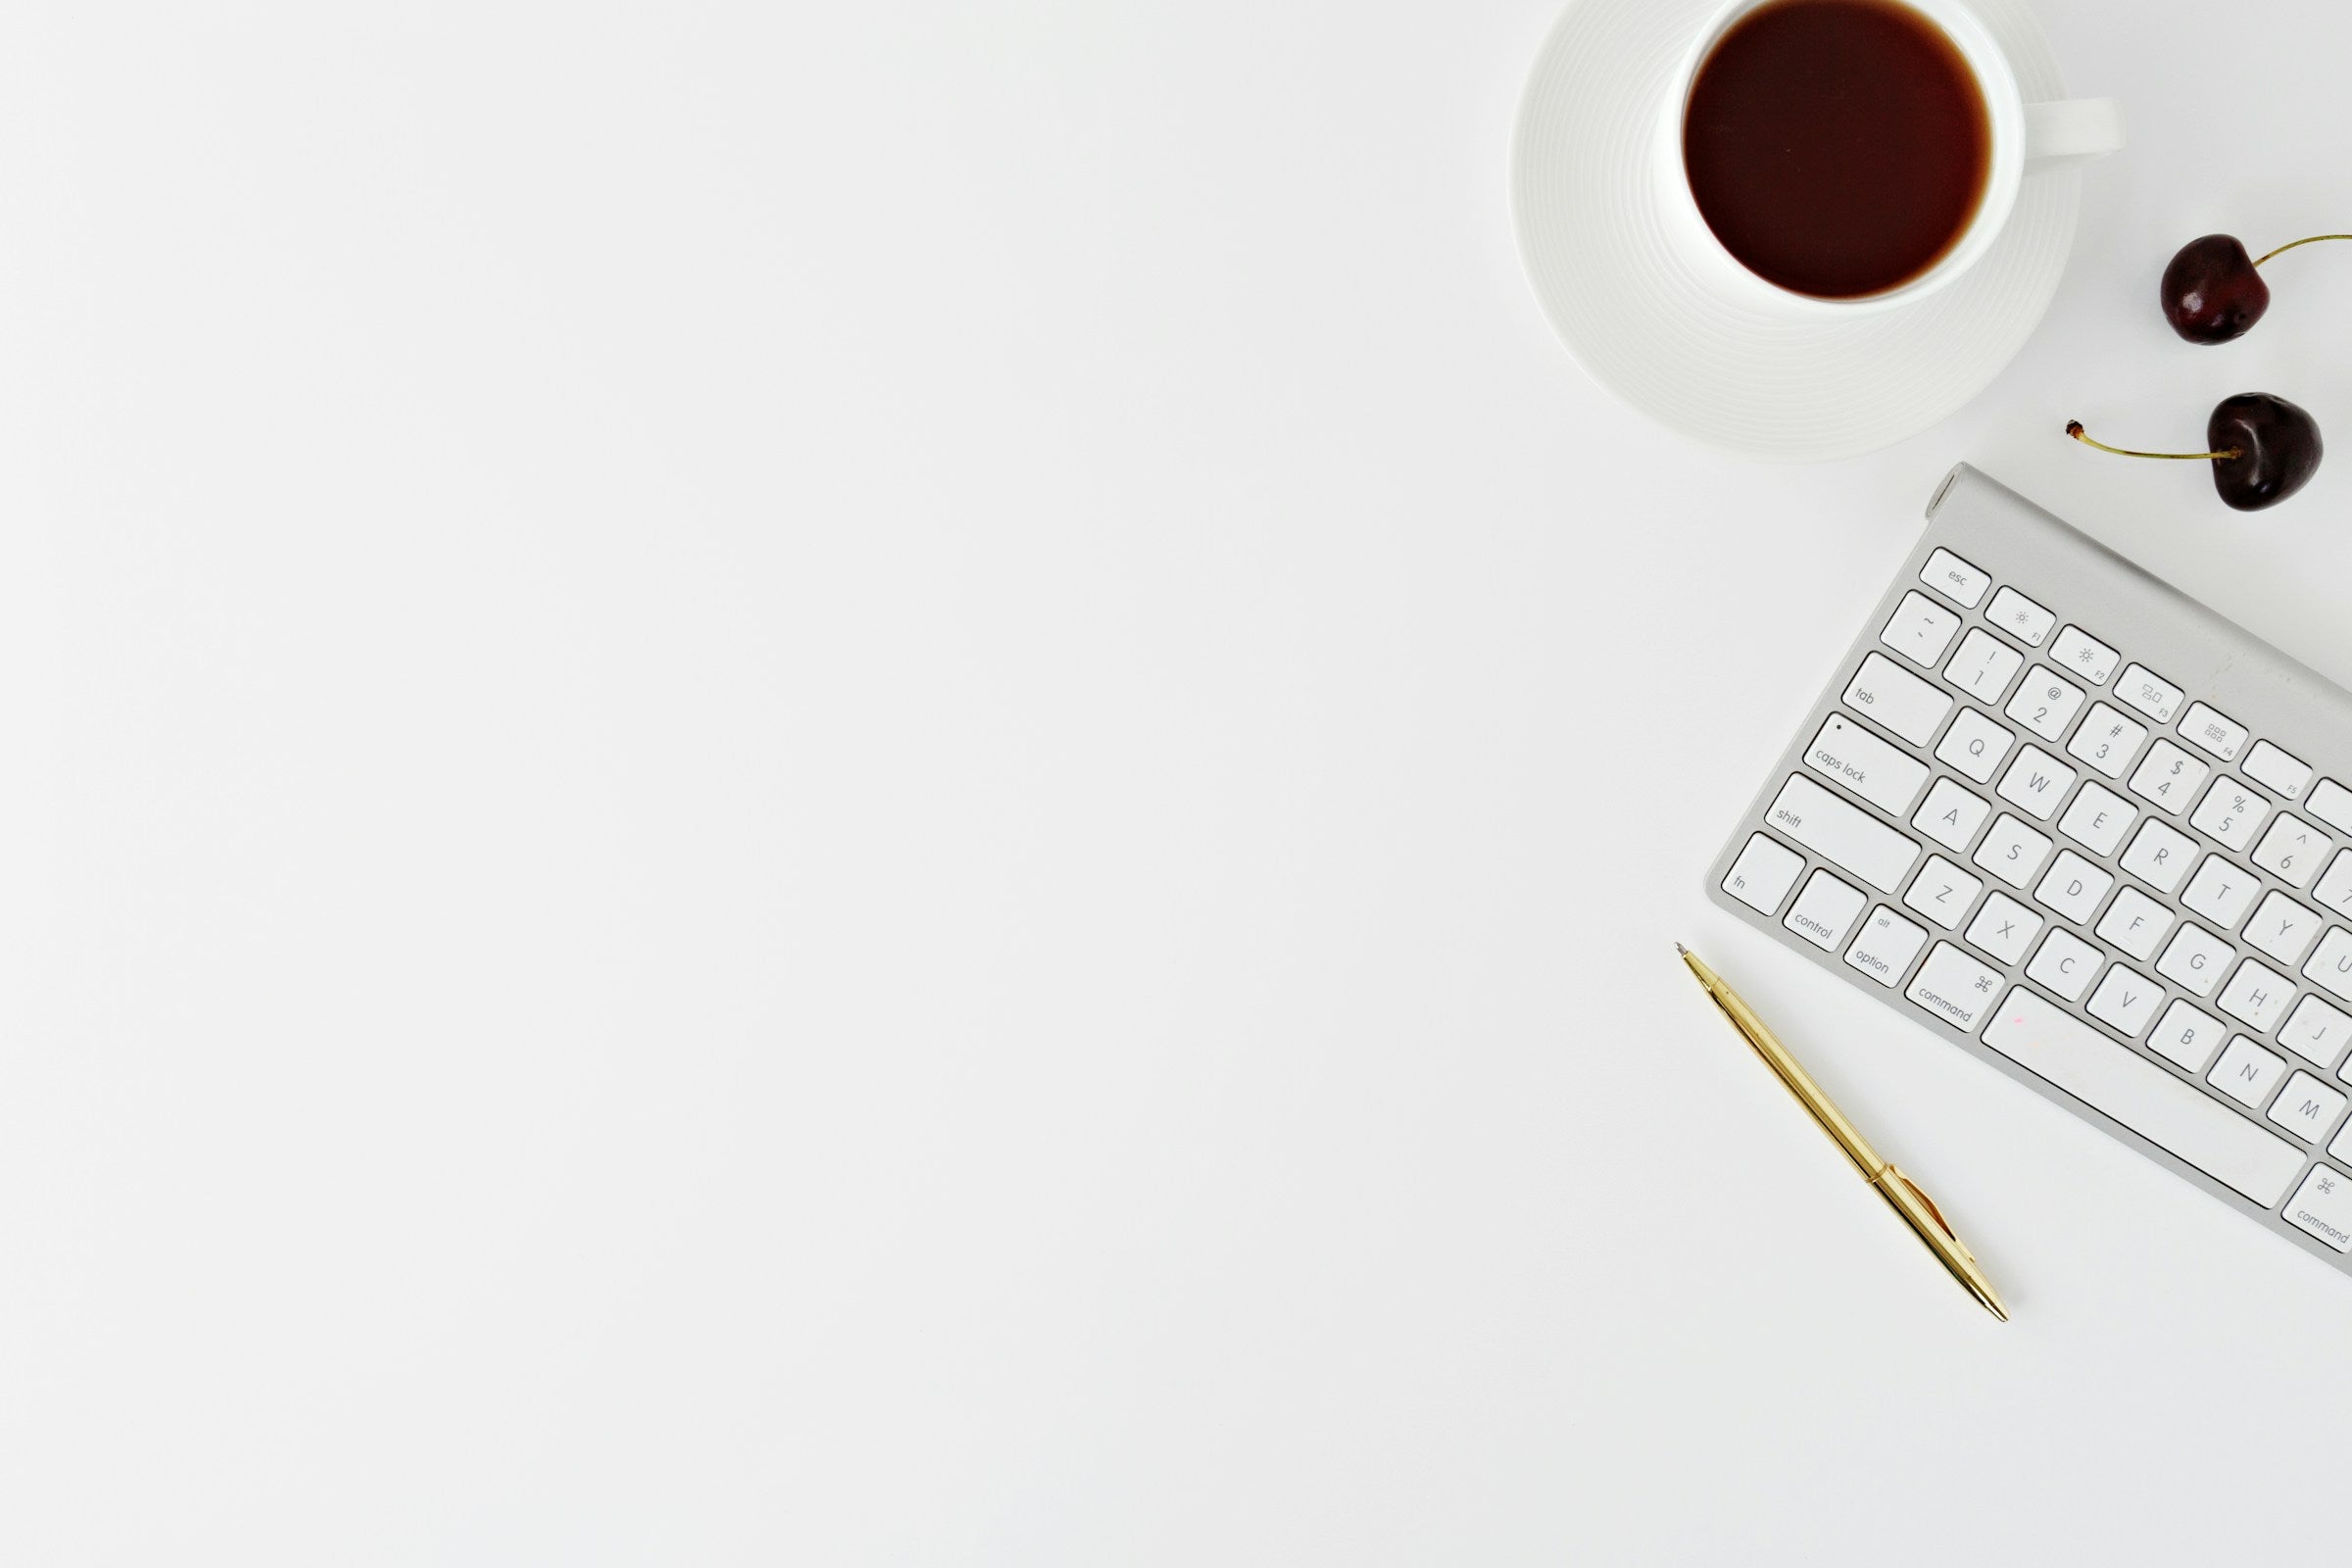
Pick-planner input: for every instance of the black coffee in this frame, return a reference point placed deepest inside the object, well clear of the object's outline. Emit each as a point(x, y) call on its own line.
point(1836, 147)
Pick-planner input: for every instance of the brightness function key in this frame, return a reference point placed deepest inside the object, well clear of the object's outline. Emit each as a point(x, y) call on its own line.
point(2021, 618)
point(2079, 652)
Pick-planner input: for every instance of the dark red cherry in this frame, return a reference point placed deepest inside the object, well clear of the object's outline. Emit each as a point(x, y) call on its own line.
point(2263, 449)
point(2279, 446)
point(2213, 291)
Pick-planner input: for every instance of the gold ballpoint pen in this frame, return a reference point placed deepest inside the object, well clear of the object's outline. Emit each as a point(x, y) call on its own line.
point(1902, 1193)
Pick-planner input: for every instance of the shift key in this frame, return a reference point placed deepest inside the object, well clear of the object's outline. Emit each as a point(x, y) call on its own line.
point(1842, 834)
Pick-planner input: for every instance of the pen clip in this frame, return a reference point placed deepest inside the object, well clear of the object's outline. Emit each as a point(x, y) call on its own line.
point(1937, 1214)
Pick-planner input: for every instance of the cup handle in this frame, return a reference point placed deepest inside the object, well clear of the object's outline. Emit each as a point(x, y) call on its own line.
point(2061, 136)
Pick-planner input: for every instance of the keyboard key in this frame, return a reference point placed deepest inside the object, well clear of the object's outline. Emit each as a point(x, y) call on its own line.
point(2131, 1090)
point(2335, 887)
point(1825, 911)
point(2168, 776)
point(2331, 804)
point(2088, 658)
point(2126, 1001)
point(2073, 886)
point(2107, 740)
point(1886, 946)
point(2280, 771)
point(2196, 960)
point(1842, 834)
point(1921, 630)
point(1954, 986)
point(2221, 892)
point(1952, 816)
point(2212, 731)
point(1975, 746)
point(2282, 929)
point(2188, 1038)
point(1763, 874)
point(1846, 754)
point(2021, 618)
point(2317, 1032)
point(2331, 966)
point(2231, 812)
point(2136, 923)
point(2150, 693)
point(2003, 928)
point(1983, 666)
point(2066, 963)
point(2160, 856)
point(2322, 1206)
point(2307, 1108)
point(1942, 892)
point(1898, 698)
point(2292, 850)
point(2246, 1072)
point(2012, 852)
point(2046, 704)
point(2098, 818)
point(2035, 783)
point(2256, 996)
point(1955, 579)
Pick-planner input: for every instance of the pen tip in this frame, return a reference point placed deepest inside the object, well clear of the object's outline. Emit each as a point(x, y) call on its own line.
point(1685, 952)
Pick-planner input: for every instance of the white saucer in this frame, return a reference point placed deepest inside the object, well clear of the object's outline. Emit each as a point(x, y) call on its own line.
point(1584, 201)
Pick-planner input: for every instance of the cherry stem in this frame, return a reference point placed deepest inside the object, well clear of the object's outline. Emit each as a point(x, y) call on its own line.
point(2313, 240)
point(2074, 427)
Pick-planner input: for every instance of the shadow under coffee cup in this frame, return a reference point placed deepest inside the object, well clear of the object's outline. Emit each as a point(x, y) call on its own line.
point(1826, 158)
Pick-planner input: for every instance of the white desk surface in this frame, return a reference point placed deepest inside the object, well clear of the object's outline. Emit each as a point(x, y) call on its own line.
point(910, 786)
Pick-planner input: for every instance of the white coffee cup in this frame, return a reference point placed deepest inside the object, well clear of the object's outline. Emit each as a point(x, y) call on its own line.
point(2027, 139)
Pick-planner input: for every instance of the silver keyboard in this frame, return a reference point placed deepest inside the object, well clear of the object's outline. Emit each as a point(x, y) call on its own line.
point(2062, 813)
